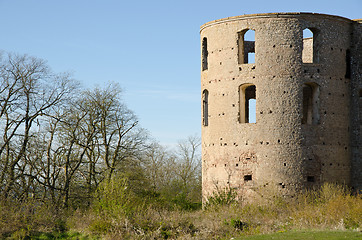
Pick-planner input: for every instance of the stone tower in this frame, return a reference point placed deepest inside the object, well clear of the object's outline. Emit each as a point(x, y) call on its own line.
point(281, 111)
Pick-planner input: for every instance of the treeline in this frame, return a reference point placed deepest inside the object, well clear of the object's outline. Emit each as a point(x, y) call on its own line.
point(61, 143)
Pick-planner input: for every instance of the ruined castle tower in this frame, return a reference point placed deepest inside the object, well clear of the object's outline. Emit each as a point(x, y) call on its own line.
point(281, 110)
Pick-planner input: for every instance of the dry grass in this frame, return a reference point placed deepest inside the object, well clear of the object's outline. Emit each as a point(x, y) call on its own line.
point(21, 219)
point(330, 208)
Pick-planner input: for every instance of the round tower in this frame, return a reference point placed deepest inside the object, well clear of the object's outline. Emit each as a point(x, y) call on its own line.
point(275, 107)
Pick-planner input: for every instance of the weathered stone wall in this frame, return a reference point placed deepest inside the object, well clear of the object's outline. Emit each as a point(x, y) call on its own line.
point(356, 104)
point(307, 53)
point(278, 152)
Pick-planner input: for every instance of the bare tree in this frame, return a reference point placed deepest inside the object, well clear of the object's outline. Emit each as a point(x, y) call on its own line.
point(58, 143)
point(119, 136)
point(158, 167)
point(29, 92)
point(175, 174)
point(189, 160)
point(99, 135)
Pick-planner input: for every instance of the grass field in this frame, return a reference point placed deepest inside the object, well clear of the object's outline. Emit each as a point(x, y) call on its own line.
point(307, 235)
point(58, 236)
point(291, 235)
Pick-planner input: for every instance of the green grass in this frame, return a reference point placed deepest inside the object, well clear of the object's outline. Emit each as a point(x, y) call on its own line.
point(49, 236)
point(307, 235)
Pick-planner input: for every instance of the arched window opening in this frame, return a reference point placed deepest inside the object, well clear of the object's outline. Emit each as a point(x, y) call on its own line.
point(246, 46)
point(247, 103)
point(311, 104)
point(205, 108)
point(310, 46)
point(204, 54)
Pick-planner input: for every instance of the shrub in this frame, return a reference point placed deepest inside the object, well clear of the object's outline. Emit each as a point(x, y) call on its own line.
point(223, 197)
point(114, 198)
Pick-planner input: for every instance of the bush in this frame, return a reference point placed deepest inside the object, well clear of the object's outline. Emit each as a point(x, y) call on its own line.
point(114, 198)
point(223, 197)
point(184, 203)
point(21, 218)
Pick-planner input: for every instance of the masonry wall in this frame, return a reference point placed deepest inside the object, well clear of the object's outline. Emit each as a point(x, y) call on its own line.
point(278, 152)
point(356, 104)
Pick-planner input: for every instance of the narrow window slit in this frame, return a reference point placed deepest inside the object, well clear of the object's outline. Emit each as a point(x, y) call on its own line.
point(204, 54)
point(205, 107)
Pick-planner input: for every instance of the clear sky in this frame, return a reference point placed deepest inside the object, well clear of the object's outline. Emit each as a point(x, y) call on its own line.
point(151, 48)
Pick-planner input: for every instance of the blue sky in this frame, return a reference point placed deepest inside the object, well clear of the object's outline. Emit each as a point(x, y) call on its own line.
point(151, 48)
